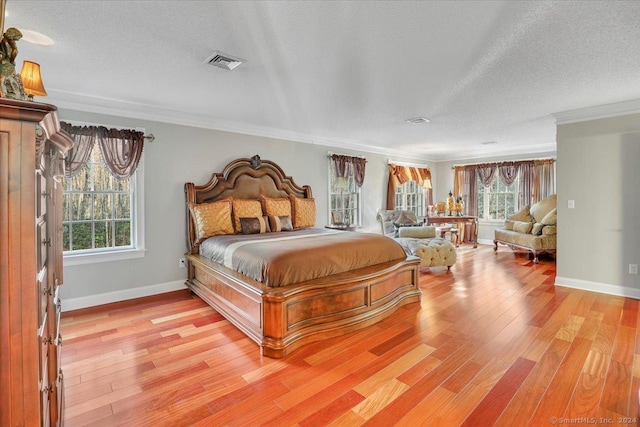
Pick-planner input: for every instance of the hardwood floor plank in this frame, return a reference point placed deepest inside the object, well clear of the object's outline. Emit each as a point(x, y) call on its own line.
point(490, 408)
point(394, 369)
point(618, 385)
point(380, 398)
point(463, 404)
point(586, 396)
point(349, 367)
point(330, 412)
point(625, 343)
point(424, 413)
point(492, 342)
point(533, 389)
point(556, 399)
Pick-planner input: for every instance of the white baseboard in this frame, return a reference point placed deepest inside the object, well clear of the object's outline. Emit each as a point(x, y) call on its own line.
point(605, 288)
point(123, 295)
point(485, 242)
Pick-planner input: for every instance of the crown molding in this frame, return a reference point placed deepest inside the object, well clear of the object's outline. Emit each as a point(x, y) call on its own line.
point(112, 107)
point(118, 108)
point(598, 112)
point(512, 151)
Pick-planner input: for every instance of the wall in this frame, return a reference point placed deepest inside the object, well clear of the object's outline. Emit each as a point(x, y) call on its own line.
point(444, 184)
point(187, 154)
point(598, 168)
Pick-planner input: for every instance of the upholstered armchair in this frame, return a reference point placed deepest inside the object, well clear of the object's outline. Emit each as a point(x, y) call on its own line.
point(417, 239)
point(533, 228)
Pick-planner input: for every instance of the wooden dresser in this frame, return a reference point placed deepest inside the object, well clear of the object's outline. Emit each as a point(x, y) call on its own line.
point(31, 164)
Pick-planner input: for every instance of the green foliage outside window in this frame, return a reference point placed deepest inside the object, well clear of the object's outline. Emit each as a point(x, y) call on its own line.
point(498, 200)
point(96, 208)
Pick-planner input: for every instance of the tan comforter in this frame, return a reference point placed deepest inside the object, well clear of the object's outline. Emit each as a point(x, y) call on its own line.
point(279, 259)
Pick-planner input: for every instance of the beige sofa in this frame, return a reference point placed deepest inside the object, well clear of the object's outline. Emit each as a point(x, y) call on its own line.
point(533, 228)
point(417, 239)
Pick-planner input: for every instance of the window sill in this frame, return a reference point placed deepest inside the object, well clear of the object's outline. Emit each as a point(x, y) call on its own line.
point(96, 257)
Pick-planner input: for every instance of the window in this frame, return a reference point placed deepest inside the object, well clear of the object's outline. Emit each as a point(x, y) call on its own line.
point(497, 201)
point(101, 214)
point(345, 204)
point(411, 197)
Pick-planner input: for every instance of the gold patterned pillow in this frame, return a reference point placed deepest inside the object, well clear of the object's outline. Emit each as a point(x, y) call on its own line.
point(211, 219)
point(245, 208)
point(276, 207)
point(303, 212)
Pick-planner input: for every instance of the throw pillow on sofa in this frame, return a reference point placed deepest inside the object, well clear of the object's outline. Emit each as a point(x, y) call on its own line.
point(551, 218)
point(537, 228)
point(522, 227)
point(522, 215)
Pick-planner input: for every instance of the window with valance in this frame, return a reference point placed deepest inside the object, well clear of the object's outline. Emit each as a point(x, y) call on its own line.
point(100, 190)
point(346, 177)
point(409, 188)
point(494, 190)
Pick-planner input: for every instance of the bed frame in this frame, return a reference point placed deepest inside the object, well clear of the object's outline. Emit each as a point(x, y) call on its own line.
point(282, 319)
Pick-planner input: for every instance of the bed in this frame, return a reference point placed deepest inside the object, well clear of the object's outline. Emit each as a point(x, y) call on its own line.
point(283, 313)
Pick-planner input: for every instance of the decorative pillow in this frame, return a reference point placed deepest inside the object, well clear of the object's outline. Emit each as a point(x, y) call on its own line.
point(425, 232)
point(280, 223)
point(537, 228)
point(276, 207)
point(508, 224)
point(211, 219)
point(245, 208)
point(522, 215)
point(549, 230)
point(303, 212)
point(551, 218)
point(255, 225)
point(405, 219)
point(522, 227)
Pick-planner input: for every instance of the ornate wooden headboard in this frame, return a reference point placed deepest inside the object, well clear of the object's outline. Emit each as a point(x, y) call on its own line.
point(242, 179)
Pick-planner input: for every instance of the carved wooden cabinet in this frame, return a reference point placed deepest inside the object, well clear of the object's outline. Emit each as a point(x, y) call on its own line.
point(32, 147)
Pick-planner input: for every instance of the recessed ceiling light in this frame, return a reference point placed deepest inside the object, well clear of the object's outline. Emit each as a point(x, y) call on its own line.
point(418, 120)
point(36, 38)
point(223, 60)
point(489, 142)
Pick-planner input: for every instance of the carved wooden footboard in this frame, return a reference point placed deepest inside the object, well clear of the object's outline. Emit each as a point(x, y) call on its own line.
point(282, 319)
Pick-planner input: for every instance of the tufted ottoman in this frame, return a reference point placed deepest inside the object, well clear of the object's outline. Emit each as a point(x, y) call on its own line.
point(417, 239)
point(433, 252)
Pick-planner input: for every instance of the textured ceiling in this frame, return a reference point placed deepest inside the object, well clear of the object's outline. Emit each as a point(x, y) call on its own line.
point(343, 73)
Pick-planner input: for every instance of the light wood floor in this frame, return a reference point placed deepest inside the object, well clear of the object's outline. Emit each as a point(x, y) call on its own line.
point(493, 342)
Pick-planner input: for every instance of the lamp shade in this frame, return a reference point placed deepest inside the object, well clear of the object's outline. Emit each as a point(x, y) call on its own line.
point(31, 79)
point(426, 184)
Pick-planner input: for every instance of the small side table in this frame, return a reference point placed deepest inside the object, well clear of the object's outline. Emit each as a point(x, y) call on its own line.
point(341, 227)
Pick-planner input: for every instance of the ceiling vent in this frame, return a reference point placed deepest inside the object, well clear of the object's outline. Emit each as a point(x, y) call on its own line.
point(223, 60)
point(489, 142)
point(418, 120)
